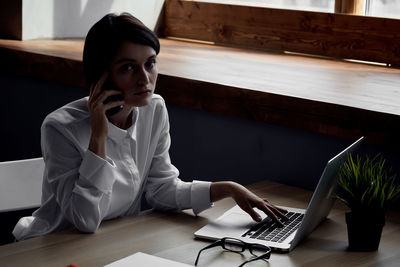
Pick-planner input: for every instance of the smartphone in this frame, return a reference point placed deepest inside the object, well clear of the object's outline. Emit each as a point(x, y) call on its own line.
point(109, 85)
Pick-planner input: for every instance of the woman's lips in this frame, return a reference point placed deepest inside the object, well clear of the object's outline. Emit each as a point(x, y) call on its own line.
point(142, 93)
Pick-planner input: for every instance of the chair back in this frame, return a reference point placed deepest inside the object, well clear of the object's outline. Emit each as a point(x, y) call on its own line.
point(21, 184)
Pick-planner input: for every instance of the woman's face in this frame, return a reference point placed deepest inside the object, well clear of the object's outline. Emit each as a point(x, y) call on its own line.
point(134, 71)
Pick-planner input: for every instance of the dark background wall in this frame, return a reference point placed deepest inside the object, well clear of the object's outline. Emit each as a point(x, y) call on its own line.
point(204, 145)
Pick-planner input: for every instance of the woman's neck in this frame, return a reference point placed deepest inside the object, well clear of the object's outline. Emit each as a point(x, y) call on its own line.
point(122, 119)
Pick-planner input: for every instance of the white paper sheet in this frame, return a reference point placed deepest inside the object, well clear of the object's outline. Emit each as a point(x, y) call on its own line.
point(141, 259)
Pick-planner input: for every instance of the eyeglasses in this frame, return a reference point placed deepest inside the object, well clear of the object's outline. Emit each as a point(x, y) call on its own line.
point(237, 245)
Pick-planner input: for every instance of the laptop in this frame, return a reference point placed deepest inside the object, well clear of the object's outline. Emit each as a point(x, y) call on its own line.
point(236, 223)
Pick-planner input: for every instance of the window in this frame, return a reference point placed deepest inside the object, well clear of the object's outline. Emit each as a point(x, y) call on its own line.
point(376, 8)
point(383, 8)
point(310, 5)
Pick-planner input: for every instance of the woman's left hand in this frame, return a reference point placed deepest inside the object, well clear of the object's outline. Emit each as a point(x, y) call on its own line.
point(246, 200)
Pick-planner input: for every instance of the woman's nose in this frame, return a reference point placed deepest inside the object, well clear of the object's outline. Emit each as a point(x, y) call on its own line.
point(143, 76)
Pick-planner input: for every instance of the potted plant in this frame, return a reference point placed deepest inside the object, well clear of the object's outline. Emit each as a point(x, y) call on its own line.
point(367, 187)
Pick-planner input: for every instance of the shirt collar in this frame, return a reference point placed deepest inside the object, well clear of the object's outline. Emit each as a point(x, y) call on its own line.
point(117, 133)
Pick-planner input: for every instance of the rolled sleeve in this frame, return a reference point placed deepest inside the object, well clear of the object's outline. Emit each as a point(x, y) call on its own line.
point(200, 196)
point(97, 171)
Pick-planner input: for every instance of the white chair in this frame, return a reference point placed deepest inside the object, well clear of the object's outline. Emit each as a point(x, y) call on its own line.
point(21, 184)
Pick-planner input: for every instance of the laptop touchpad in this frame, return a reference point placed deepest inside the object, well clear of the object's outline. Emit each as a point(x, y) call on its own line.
point(235, 222)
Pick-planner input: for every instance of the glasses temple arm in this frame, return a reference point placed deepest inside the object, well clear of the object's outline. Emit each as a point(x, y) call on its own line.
point(261, 257)
point(216, 243)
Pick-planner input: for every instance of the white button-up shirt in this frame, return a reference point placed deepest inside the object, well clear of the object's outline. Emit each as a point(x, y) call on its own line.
point(81, 189)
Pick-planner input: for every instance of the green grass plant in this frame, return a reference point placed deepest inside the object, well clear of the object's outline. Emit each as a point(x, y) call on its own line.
point(366, 185)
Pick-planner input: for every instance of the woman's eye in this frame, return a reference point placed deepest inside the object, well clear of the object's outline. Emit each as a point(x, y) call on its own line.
point(127, 67)
point(132, 67)
point(150, 64)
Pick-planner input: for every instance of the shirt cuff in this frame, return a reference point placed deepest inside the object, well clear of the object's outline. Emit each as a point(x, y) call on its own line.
point(98, 171)
point(200, 196)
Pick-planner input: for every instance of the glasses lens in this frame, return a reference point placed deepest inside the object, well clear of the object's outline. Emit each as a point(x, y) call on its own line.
point(258, 251)
point(233, 245)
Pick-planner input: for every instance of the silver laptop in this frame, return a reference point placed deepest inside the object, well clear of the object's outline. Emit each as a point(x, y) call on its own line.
point(238, 224)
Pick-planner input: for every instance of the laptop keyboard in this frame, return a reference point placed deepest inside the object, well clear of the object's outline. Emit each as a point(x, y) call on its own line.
point(268, 230)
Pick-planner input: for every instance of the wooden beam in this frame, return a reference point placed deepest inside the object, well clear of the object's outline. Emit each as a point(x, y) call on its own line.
point(325, 34)
point(291, 112)
point(11, 19)
point(329, 97)
point(352, 7)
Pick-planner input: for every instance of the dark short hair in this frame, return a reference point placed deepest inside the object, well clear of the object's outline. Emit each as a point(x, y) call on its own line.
point(106, 36)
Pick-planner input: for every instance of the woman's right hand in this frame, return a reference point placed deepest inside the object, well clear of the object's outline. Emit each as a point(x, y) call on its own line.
point(98, 118)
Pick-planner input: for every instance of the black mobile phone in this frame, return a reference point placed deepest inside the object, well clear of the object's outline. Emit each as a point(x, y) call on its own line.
point(109, 85)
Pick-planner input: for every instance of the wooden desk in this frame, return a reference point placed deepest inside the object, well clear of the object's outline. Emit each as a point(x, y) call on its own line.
point(171, 236)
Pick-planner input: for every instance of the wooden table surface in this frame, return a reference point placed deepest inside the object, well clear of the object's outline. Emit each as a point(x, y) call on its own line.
point(170, 236)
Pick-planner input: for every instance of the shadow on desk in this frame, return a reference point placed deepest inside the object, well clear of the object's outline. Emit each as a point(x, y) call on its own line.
point(325, 244)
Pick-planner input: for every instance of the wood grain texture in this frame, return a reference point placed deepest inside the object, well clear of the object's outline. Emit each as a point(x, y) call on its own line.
point(11, 19)
point(355, 7)
point(323, 96)
point(332, 35)
point(53, 60)
point(170, 236)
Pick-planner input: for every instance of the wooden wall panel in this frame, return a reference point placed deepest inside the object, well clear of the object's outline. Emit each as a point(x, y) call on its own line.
point(291, 112)
point(336, 98)
point(325, 34)
point(11, 19)
point(356, 7)
point(43, 66)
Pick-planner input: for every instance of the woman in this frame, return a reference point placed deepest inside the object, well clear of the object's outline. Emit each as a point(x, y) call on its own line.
point(104, 151)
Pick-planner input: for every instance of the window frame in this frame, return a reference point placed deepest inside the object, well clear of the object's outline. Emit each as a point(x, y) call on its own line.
point(332, 35)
